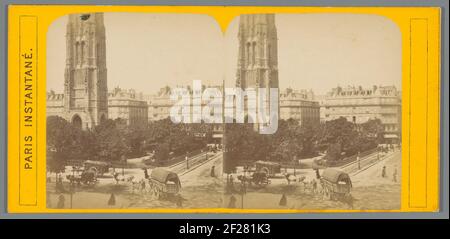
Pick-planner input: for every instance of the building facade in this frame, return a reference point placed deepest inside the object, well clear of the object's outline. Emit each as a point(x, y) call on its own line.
point(299, 105)
point(129, 107)
point(126, 105)
point(85, 79)
point(358, 105)
point(55, 104)
point(159, 104)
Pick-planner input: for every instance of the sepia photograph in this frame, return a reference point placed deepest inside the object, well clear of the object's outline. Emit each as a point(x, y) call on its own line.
point(338, 140)
point(110, 140)
point(280, 111)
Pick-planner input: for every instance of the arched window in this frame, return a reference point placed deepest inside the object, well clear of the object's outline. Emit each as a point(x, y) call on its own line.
point(247, 53)
point(76, 121)
point(102, 119)
point(254, 53)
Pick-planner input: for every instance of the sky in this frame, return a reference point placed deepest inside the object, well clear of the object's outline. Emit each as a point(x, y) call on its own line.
point(315, 51)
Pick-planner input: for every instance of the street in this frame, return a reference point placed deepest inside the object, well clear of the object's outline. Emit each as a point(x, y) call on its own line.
point(369, 191)
point(198, 188)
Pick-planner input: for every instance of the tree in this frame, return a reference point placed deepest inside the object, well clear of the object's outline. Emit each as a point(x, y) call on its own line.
point(287, 141)
point(338, 132)
point(334, 152)
point(135, 138)
point(162, 152)
point(307, 134)
point(110, 144)
point(373, 129)
point(66, 142)
point(341, 137)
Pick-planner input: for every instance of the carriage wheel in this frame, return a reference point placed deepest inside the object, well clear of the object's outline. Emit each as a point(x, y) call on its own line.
point(257, 184)
point(94, 169)
point(265, 170)
point(333, 196)
point(154, 192)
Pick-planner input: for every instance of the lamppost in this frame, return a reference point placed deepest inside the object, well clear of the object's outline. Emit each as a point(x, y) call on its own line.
point(243, 191)
point(295, 163)
point(187, 161)
point(359, 160)
point(72, 187)
point(124, 161)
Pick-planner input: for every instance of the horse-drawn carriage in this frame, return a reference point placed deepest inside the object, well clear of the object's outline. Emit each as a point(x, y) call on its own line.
point(164, 183)
point(336, 183)
point(86, 172)
point(82, 176)
point(259, 179)
point(99, 167)
point(269, 168)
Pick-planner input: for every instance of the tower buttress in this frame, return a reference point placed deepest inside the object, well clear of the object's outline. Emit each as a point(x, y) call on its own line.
point(85, 78)
point(257, 54)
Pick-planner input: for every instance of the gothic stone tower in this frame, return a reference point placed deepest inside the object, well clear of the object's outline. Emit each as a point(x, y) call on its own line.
point(258, 53)
point(85, 85)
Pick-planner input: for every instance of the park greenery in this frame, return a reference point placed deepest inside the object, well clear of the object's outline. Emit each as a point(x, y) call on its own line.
point(336, 139)
point(113, 140)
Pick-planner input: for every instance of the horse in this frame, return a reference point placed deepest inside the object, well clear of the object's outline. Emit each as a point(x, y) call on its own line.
point(73, 179)
point(290, 178)
point(135, 184)
point(312, 186)
point(301, 180)
point(245, 179)
point(118, 178)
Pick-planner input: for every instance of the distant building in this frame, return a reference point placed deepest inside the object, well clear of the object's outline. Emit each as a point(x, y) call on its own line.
point(123, 104)
point(299, 105)
point(55, 104)
point(358, 105)
point(159, 104)
point(128, 106)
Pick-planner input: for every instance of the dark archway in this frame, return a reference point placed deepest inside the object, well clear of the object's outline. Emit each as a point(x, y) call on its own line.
point(102, 119)
point(76, 121)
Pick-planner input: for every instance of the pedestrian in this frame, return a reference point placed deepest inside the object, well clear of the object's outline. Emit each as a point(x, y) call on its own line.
point(394, 175)
point(383, 172)
point(143, 185)
point(288, 179)
point(317, 173)
point(212, 171)
point(146, 176)
point(314, 186)
point(350, 200)
point(232, 203)
point(61, 201)
point(112, 200)
point(179, 201)
point(60, 186)
point(283, 200)
point(49, 202)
